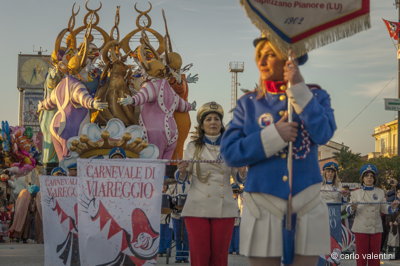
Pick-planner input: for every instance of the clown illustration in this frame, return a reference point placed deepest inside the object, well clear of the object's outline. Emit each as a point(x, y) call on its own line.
point(138, 247)
point(68, 250)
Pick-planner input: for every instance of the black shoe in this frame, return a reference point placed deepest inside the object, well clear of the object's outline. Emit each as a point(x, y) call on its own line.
point(177, 261)
point(185, 261)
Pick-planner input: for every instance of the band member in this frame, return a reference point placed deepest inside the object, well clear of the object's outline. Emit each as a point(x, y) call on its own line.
point(258, 136)
point(367, 224)
point(331, 188)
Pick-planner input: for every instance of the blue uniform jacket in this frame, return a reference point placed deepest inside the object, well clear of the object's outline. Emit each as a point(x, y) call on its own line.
point(251, 139)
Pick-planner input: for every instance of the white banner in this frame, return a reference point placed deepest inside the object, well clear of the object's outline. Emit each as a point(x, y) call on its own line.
point(60, 231)
point(119, 211)
point(303, 25)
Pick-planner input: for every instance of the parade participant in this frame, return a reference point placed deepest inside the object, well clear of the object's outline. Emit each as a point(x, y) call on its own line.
point(234, 246)
point(386, 219)
point(5, 219)
point(391, 193)
point(27, 223)
point(330, 189)
point(331, 194)
point(180, 232)
point(346, 193)
point(367, 224)
point(393, 225)
point(210, 209)
point(165, 230)
point(72, 169)
point(117, 153)
point(58, 171)
point(258, 136)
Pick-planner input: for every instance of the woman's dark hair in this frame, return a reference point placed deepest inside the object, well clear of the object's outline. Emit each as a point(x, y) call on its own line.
point(373, 174)
point(198, 134)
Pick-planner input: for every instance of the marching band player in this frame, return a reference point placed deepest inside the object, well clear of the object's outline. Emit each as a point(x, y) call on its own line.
point(258, 137)
point(367, 224)
point(330, 189)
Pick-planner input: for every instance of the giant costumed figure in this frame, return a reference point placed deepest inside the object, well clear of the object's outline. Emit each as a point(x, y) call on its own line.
point(118, 74)
point(179, 83)
point(49, 156)
point(71, 98)
point(91, 72)
point(54, 76)
point(156, 98)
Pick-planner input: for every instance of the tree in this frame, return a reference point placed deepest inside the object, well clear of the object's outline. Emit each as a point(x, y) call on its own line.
point(349, 163)
point(387, 167)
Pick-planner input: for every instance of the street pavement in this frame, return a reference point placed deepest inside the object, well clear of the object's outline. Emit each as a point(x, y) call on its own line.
point(17, 254)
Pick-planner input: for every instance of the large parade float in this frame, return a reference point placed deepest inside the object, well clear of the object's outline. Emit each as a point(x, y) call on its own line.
point(104, 94)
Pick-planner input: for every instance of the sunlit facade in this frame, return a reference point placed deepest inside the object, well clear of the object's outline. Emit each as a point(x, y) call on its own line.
point(385, 140)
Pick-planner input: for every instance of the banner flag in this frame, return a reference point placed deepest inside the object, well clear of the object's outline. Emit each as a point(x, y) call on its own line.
point(335, 225)
point(60, 230)
point(393, 28)
point(119, 211)
point(301, 26)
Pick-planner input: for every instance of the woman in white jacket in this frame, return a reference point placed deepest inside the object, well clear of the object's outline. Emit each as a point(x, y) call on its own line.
point(368, 203)
point(210, 209)
point(330, 189)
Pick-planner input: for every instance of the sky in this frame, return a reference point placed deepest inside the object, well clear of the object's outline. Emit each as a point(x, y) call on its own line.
point(212, 33)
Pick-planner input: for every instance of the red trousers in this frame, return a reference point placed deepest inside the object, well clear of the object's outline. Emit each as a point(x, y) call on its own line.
point(209, 240)
point(368, 244)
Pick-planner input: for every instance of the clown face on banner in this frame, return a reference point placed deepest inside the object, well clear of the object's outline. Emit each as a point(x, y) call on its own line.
point(119, 211)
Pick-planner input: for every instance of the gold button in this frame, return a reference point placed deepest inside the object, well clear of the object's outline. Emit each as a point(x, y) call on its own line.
point(282, 88)
point(284, 178)
point(281, 113)
point(283, 155)
point(282, 97)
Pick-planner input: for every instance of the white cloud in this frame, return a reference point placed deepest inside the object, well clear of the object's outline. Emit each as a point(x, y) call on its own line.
point(371, 89)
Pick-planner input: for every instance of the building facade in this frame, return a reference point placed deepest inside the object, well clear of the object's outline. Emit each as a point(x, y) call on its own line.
point(326, 152)
point(385, 140)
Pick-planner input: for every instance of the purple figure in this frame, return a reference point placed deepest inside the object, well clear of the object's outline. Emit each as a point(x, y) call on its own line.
point(158, 103)
point(72, 100)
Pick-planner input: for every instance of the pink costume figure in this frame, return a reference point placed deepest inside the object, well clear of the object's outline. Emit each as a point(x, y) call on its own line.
point(72, 100)
point(158, 103)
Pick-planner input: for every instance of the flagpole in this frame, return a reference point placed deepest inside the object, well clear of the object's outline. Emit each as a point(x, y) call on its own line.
point(288, 224)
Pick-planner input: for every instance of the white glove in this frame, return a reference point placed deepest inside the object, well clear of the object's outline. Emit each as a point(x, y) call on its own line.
point(126, 101)
point(192, 79)
point(193, 106)
point(100, 105)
